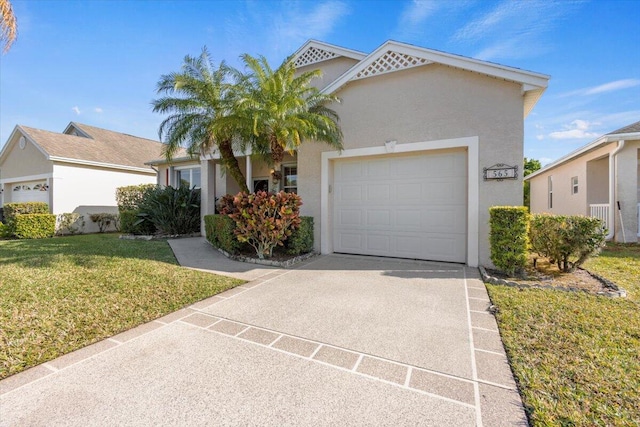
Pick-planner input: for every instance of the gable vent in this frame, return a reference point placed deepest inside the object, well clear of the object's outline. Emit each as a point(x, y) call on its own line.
point(313, 55)
point(391, 61)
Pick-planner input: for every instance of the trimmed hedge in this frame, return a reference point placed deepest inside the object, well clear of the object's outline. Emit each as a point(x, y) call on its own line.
point(130, 197)
point(509, 238)
point(11, 210)
point(567, 241)
point(4, 231)
point(301, 239)
point(220, 232)
point(34, 226)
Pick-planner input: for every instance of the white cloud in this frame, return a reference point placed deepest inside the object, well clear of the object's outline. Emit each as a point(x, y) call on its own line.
point(294, 26)
point(540, 137)
point(76, 110)
point(603, 88)
point(98, 110)
point(513, 29)
point(577, 129)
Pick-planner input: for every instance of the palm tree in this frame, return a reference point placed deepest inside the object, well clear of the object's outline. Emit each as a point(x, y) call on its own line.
point(284, 110)
point(200, 100)
point(8, 25)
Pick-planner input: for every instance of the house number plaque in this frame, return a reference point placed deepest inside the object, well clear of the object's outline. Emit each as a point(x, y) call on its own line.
point(500, 171)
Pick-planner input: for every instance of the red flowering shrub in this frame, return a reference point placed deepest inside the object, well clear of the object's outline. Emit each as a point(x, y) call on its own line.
point(264, 220)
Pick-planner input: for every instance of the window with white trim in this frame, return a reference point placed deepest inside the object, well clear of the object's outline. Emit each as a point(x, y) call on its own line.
point(550, 189)
point(574, 185)
point(290, 178)
point(188, 176)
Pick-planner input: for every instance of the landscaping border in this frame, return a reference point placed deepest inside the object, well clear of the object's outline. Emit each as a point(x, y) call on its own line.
point(611, 289)
point(157, 236)
point(268, 262)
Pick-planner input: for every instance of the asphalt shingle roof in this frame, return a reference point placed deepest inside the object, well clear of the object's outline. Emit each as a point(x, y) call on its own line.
point(103, 146)
point(632, 128)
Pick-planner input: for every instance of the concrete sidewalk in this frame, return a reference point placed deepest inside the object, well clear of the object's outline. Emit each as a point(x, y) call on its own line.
point(339, 340)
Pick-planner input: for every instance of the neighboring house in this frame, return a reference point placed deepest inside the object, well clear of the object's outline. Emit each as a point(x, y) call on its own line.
point(74, 171)
point(419, 127)
point(594, 180)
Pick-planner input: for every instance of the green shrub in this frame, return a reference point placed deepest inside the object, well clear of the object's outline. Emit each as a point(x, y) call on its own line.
point(130, 223)
point(11, 210)
point(172, 210)
point(567, 241)
point(301, 239)
point(4, 231)
point(264, 220)
point(509, 238)
point(104, 220)
point(70, 223)
point(220, 231)
point(130, 197)
point(35, 226)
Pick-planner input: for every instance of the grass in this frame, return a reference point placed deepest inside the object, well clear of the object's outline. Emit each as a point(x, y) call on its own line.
point(576, 356)
point(58, 295)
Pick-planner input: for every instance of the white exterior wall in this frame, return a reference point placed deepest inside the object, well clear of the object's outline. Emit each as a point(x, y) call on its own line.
point(627, 192)
point(422, 104)
point(87, 190)
point(565, 203)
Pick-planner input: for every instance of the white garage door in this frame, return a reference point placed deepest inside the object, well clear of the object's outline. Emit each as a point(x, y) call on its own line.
point(410, 206)
point(30, 192)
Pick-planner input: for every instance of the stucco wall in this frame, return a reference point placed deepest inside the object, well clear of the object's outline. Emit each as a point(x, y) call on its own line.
point(565, 203)
point(627, 192)
point(594, 166)
point(428, 103)
point(24, 162)
point(331, 69)
point(598, 181)
point(75, 186)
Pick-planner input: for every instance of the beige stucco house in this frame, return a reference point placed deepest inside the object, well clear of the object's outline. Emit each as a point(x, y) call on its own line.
point(77, 170)
point(601, 179)
point(419, 128)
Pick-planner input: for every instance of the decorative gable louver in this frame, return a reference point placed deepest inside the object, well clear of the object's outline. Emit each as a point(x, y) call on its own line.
point(313, 55)
point(391, 61)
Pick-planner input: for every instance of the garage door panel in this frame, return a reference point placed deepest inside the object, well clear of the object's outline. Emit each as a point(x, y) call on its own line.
point(350, 194)
point(352, 217)
point(378, 192)
point(379, 218)
point(351, 242)
point(402, 206)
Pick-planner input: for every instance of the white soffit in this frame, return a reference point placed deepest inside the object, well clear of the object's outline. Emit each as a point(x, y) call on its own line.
point(314, 51)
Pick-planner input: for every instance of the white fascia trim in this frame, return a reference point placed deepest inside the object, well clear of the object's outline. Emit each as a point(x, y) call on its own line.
point(102, 165)
point(26, 178)
point(173, 161)
point(530, 79)
point(473, 184)
point(598, 143)
point(342, 51)
point(216, 154)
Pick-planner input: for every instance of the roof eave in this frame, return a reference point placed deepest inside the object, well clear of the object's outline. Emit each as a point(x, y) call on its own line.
point(101, 164)
point(529, 79)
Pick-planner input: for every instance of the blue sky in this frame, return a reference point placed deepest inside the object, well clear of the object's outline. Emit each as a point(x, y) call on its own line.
point(97, 62)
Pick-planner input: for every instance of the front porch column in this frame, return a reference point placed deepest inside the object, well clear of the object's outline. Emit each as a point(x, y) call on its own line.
point(249, 174)
point(207, 191)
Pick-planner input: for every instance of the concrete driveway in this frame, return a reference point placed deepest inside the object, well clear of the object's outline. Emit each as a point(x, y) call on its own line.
point(339, 340)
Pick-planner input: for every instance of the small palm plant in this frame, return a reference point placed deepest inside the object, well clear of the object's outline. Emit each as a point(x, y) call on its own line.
point(284, 110)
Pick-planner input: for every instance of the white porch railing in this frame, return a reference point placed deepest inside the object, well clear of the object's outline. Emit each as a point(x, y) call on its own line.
point(600, 211)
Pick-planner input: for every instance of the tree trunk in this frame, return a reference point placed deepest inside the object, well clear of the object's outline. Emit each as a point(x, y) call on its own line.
point(277, 155)
point(231, 164)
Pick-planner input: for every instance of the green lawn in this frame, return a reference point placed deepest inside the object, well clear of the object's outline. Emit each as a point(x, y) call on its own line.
point(58, 295)
point(576, 357)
